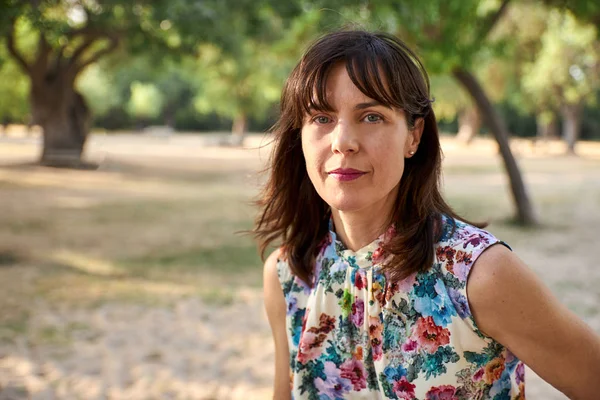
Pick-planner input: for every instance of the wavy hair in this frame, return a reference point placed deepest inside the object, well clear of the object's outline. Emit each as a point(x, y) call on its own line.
point(292, 213)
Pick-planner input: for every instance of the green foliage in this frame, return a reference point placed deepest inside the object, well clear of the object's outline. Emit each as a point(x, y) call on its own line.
point(14, 87)
point(248, 84)
point(566, 69)
point(99, 89)
point(146, 100)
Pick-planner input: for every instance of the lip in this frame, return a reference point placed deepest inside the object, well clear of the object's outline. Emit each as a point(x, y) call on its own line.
point(346, 174)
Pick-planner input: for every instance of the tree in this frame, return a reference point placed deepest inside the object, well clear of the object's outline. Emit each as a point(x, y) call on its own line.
point(565, 74)
point(71, 35)
point(239, 87)
point(242, 78)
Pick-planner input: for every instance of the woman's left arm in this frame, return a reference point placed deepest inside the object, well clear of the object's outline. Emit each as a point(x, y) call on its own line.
point(510, 304)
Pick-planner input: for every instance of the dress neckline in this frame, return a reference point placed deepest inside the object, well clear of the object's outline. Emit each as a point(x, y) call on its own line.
point(367, 256)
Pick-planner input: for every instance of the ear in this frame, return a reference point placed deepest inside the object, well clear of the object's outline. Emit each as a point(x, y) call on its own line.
point(414, 137)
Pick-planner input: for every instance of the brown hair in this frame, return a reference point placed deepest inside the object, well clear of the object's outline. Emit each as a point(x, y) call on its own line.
point(386, 70)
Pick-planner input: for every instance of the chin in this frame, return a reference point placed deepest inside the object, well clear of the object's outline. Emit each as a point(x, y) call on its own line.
point(346, 203)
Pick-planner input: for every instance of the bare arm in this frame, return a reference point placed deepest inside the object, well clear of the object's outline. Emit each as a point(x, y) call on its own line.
point(510, 304)
point(276, 311)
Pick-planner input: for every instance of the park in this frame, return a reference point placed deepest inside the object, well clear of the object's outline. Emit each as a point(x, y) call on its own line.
point(133, 145)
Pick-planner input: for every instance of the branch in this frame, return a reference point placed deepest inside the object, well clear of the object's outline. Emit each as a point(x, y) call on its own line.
point(491, 21)
point(59, 57)
point(12, 49)
point(40, 65)
point(90, 39)
point(114, 43)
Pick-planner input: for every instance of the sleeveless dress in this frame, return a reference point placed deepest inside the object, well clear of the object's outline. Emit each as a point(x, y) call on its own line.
point(355, 335)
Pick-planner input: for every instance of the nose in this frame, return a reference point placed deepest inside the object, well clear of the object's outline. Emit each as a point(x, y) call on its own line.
point(344, 139)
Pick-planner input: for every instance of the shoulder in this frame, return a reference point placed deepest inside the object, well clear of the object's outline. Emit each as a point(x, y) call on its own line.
point(499, 284)
point(271, 266)
point(272, 288)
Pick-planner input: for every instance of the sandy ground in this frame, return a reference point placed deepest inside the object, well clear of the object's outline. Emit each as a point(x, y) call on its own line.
point(194, 349)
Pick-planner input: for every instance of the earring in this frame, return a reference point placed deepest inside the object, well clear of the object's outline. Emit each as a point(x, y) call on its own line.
point(412, 153)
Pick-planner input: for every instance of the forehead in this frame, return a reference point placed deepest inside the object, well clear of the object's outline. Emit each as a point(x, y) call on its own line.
point(339, 86)
point(351, 80)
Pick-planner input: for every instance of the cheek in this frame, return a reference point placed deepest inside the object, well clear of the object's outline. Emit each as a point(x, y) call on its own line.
point(314, 153)
point(389, 161)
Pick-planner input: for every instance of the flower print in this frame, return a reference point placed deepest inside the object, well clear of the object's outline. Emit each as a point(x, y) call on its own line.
point(404, 389)
point(292, 305)
point(460, 303)
point(391, 288)
point(358, 353)
point(463, 257)
point(310, 346)
point(461, 268)
point(409, 346)
point(429, 336)
point(354, 371)
point(334, 386)
point(475, 239)
point(302, 285)
point(376, 336)
point(406, 284)
point(360, 279)
point(324, 245)
point(444, 392)
point(479, 374)
point(394, 373)
point(521, 394)
point(326, 323)
point(358, 312)
point(338, 266)
point(445, 253)
point(346, 303)
point(311, 342)
point(377, 292)
point(502, 387)
point(439, 306)
point(396, 381)
point(297, 325)
point(520, 373)
point(493, 370)
point(435, 364)
point(378, 256)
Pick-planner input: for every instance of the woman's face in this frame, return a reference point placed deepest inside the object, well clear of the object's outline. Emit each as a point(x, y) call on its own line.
point(355, 154)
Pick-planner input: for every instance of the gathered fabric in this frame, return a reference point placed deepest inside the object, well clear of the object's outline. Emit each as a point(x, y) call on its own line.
point(356, 335)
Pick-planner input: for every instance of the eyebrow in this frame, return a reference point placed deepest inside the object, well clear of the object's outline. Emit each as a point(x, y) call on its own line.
point(374, 103)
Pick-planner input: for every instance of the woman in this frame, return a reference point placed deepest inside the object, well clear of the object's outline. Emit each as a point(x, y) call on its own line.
point(379, 289)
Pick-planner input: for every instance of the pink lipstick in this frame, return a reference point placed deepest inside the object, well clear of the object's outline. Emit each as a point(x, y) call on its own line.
point(346, 174)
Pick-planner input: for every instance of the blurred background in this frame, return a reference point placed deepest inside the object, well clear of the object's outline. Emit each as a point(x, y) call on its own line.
point(131, 144)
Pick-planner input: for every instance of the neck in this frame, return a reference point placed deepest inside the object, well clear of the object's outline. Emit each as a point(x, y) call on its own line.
point(357, 229)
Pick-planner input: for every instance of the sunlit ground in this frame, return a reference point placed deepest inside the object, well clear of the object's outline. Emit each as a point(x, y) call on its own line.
point(129, 282)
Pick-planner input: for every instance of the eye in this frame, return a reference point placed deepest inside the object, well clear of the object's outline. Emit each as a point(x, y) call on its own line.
point(322, 119)
point(372, 118)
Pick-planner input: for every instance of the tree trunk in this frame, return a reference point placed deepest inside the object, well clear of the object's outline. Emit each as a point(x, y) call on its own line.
point(469, 123)
point(238, 130)
point(571, 128)
point(65, 120)
point(525, 214)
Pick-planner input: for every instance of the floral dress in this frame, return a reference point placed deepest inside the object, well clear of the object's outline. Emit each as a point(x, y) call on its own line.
point(355, 335)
